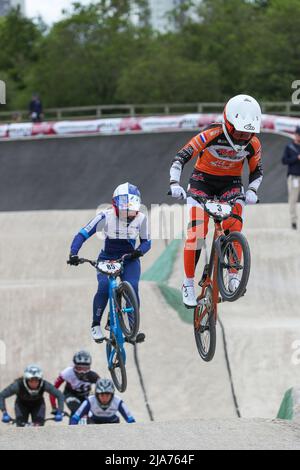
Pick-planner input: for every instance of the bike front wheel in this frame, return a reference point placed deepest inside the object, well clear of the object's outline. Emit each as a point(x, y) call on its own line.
point(117, 368)
point(234, 267)
point(128, 310)
point(205, 327)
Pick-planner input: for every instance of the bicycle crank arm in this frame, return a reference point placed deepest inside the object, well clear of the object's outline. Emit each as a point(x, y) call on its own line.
point(139, 339)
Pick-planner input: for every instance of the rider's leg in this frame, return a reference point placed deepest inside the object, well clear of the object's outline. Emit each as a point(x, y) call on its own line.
point(99, 305)
point(38, 414)
point(197, 232)
point(22, 413)
point(235, 224)
point(132, 274)
point(73, 403)
point(104, 420)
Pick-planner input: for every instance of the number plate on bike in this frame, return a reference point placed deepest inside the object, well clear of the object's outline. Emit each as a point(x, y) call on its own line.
point(109, 268)
point(219, 209)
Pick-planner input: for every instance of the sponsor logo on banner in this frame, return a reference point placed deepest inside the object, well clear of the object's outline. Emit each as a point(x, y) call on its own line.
point(109, 126)
point(44, 128)
point(74, 127)
point(286, 124)
point(20, 130)
point(4, 131)
point(160, 123)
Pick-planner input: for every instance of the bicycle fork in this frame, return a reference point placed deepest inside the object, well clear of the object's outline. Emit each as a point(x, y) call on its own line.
point(116, 337)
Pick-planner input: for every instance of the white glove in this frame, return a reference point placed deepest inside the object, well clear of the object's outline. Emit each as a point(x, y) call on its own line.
point(251, 197)
point(178, 192)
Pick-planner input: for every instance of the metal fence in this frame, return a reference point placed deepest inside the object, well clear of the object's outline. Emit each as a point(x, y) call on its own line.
point(94, 112)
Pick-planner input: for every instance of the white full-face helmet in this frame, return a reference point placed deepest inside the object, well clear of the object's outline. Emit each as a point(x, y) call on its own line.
point(241, 120)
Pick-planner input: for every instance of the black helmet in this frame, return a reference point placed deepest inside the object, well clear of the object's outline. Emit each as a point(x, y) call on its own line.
point(297, 130)
point(82, 363)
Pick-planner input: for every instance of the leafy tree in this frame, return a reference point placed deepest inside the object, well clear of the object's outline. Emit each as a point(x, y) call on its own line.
point(19, 39)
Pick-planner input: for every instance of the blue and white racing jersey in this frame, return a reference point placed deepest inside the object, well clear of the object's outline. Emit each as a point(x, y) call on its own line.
point(120, 237)
point(92, 408)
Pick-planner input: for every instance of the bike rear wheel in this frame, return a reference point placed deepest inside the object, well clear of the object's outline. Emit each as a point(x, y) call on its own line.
point(128, 310)
point(117, 369)
point(234, 272)
point(205, 327)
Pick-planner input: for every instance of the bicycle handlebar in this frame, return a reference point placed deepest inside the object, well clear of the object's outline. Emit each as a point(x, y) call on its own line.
point(230, 199)
point(95, 263)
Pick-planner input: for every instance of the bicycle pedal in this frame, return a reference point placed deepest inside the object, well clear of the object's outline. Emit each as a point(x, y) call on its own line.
point(99, 341)
point(140, 338)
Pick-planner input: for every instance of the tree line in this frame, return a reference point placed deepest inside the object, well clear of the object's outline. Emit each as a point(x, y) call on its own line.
point(97, 55)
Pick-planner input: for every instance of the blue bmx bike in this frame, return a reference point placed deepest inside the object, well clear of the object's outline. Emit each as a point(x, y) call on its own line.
point(123, 320)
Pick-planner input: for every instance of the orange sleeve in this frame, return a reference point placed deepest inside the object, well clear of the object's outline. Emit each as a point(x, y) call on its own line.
point(194, 147)
point(255, 161)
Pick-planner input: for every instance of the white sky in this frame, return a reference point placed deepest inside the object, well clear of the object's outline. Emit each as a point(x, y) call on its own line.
point(50, 10)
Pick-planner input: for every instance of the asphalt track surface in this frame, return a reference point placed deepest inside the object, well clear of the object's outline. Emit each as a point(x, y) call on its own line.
point(46, 314)
point(79, 173)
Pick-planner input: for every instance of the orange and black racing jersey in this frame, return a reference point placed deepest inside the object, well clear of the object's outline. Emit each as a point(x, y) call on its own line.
point(215, 155)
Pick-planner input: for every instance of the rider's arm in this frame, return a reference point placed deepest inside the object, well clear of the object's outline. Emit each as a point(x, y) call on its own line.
point(93, 377)
point(145, 240)
point(49, 388)
point(124, 411)
point(97, 224)
point(255, 166)
point(82, 411)
point(8, 392)
point(59, 381)
point(191, 150)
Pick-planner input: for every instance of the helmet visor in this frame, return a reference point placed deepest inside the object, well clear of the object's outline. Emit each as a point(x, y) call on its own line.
point(82, 369)
point(128, 203)
point(238, 135)
point(245, 136)
point(34, 383)
point(104, 398)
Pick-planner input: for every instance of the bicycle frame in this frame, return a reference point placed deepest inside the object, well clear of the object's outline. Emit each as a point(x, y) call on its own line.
point(210, 274)
point(209, 278)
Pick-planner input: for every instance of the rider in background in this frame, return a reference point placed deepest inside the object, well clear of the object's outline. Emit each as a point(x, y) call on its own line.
point(123, 225)
point(221, 151)
point(79, 380)
point(30, 390)
point(104, 407)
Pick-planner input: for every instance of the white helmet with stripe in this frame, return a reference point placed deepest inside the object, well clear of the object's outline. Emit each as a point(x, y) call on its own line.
point(127, 197)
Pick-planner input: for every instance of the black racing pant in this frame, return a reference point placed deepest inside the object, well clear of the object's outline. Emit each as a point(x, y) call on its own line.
point(25, 410)
point(111, 420)
point(209, 186)
point(73, 402)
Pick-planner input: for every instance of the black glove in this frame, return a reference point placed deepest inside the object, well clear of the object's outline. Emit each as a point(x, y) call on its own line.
point(136, 254)
point(73, 260)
